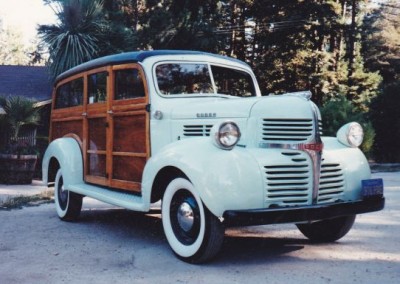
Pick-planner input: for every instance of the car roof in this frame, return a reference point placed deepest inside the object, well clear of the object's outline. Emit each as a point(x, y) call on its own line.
point(131, 57)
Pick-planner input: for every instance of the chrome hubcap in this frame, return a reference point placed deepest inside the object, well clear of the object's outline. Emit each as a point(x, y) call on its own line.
point(185, 216)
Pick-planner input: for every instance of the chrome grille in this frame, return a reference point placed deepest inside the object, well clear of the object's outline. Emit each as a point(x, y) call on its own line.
point(320, 127)
point(331, 183)
point(289, 184)
point(196, 130)
point(276, 130)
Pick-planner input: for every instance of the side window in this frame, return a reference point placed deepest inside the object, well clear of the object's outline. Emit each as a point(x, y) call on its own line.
point(183, 78)
point(97, 88)
point(128, 84)
point(69, 94)
point(233, 82)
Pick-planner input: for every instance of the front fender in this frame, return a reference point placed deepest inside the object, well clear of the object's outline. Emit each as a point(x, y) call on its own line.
point(354, 164)
point(68, 154)
point(224, 179)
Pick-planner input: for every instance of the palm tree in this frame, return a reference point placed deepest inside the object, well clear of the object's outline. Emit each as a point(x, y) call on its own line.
point(18, 157)
point(18, 112)
point(77, 36)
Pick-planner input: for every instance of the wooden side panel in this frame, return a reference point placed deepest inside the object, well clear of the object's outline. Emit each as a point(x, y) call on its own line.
point(130, 133)
point(128, 168)
point(109, 121)
point(97, 134)
point(129, 127)
point(65, 127)
point(96, 126)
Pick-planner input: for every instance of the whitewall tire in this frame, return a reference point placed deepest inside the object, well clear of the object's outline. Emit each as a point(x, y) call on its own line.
point(193, 232)
point(68, 204)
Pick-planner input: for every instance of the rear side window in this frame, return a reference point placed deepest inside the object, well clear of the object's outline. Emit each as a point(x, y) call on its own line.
point(128, 84)
point(69, 94)
point(97, 88)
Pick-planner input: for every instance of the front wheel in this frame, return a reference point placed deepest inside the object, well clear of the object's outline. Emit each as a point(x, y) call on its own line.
point(193, 232)
point(68, 204)
point(327, 230)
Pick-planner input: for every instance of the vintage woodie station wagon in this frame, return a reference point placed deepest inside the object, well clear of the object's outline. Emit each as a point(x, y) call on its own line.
point(192, 129)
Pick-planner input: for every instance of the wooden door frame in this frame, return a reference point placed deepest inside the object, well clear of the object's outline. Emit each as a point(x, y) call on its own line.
point(109, 110)
point(128, 107)
point(95, 110)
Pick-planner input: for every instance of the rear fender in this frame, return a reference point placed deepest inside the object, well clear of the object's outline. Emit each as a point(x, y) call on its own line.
point(68, 154)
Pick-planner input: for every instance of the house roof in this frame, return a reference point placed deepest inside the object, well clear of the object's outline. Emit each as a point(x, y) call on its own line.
point(28, 81)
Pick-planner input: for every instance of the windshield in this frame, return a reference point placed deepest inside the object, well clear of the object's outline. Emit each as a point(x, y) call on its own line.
point(195, 78)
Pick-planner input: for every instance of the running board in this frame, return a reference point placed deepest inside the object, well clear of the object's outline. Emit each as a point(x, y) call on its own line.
point(122, 199)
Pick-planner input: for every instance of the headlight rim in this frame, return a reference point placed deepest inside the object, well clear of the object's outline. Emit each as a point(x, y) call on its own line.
point(352, 125)
point(344, 134)
point(217, 135)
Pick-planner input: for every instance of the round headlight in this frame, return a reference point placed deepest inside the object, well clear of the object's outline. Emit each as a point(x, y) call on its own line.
point(355, 135)
point(351, 134)
point(226, 135)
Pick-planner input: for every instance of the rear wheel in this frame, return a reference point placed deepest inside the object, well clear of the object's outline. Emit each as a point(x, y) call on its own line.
point(327, 230)
point(68, 204)
point(193, 232)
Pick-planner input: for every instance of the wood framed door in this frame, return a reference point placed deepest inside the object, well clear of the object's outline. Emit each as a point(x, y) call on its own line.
point(129, 146)
point(96, 126)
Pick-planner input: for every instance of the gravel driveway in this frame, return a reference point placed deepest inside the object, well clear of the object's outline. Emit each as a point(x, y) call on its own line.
point(111, 245)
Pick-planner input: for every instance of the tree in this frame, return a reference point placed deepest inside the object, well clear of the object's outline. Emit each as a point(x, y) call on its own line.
point(182, 24)
point(78, 35)
point(337, 112)
point(13, 50)
point(19, 112)
point(386, 120)
point(381, 40)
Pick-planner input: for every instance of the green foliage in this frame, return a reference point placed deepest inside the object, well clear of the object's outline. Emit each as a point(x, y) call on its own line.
point(13, 50)
point(386, 120)
point(86, 30)
point(337, 113)
point(20, 112)
point(77, 36)
point(182, 24)
point(381, 40)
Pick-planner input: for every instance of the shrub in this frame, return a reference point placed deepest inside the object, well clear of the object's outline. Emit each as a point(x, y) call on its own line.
point(386, 120)
point(336, 113)
point(18, 114)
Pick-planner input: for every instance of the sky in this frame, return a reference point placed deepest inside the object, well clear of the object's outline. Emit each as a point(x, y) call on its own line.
point(25, 15)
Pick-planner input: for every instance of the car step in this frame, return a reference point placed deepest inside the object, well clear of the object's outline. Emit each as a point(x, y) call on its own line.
point(122, 199)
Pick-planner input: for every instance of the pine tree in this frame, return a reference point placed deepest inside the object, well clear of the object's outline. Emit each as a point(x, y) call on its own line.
point(182, 24)
point(381, 38)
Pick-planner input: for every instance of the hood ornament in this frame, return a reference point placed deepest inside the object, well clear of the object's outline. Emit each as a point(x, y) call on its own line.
point(303, 94)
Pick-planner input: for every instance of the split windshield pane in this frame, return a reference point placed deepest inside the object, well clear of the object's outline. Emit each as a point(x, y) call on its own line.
point(183, 78)
point(195, 78)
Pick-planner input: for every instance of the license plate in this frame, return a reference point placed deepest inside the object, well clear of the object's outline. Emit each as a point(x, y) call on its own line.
point(372, 187)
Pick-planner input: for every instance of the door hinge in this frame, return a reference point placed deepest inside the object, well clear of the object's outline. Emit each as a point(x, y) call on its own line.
point(148, 107)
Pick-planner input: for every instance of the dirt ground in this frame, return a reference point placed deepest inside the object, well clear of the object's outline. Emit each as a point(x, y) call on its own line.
point(110, 245)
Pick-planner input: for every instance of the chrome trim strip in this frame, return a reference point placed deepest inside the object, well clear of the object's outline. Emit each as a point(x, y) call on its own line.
point(316, 155)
